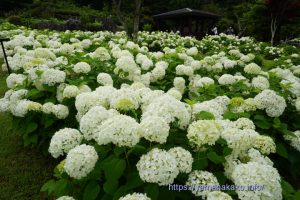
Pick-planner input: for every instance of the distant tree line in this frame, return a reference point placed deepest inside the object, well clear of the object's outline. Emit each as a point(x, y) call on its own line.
point(266, 20)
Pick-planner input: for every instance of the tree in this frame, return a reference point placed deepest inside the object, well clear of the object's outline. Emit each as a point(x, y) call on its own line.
point(117, 8)
point(280, 11)
point(138, 4)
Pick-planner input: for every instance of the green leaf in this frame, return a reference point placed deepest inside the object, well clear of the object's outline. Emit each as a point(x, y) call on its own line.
point(30, 127)
point(120, 192)
point(48, 187)
point(152, 191)
point(30, 139)
point(119, 150)
point(110, 186)
point(61, 187)
point(114, 168)
point(276, 122)
point(230, 115)
point(287, 190)
point(227, 151)
point(34, 93)
point(215, 158)
point(200, 164)
point(204, 115)
point(297, 195)
point(262, 122)
point(190, 102)
point(91, 191)
point(221, 177)
point(137, 150)
point(281, 150)
point(133, 181)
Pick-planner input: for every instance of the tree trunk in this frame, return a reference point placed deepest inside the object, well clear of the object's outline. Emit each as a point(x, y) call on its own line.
point(136, 21)
point(273, 29)
point(117, 8)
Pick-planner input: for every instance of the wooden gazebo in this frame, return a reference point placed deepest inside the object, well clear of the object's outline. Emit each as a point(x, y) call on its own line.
point(187, 21)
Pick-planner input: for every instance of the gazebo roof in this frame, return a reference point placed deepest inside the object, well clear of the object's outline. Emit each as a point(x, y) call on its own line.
point(186, 12)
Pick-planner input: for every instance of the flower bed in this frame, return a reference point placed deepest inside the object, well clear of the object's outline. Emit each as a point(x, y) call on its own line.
point(127, 119)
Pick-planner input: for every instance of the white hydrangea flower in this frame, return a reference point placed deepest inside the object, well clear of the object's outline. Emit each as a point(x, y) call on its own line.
point(239, 140)
point(159, 71)
point(244, 123)
point(271, 102)
point(92, 119)
point(249, 105)
point(52, 76)
point(84, 88)
point(192, 51)
point(265, 144)
point(44, 53)
point(228, 64)
point(226, 79)
point(65, 198)
point(87, 100)
point(70, 91)
point(217, 107)
point(121, 130)
point(14, 80)
point(293, 86)
point(82, 67)
point(47, 108)
point(144, 61)
point(63, 141)
point(154, 129)
point(179, 84)
point(184, 159)
point(101, 54)
point(22, 107)
point(105, 79)
point(17, 95)
point(146, 64)
point(294, 141)
point(126, 64)
point(205, 81)
point(198, 178)
point(297, 104)
point(168, 108)
point(86, 43)
point(174, 93)
point(162, 64)
point(60, 111)
point(184, 70)
point(255, 156)
point(135, 196)
point(4, 105)
point(66, 49)
point(80, 161)
point(125, 99)
point(218, 195)
point(261, 174)
point(260, 82)
point(203, 132)
point(252, 68)
point(158, 166)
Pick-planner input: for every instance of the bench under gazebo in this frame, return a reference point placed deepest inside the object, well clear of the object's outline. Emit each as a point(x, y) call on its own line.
point(187, 21)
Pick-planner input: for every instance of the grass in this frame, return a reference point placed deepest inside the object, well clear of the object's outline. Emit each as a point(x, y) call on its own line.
point(23, 171)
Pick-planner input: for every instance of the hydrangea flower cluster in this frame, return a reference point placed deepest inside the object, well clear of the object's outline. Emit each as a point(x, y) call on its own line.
point(80, 161)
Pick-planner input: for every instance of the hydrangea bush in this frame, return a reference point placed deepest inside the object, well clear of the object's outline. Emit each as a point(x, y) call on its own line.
point(127, 120)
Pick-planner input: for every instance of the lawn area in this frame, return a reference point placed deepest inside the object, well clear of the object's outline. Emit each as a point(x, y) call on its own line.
point(22, 171)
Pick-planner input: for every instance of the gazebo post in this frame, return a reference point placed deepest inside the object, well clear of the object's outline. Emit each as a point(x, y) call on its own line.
point(4, 53)
point(197, 28)
point(190, 26)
